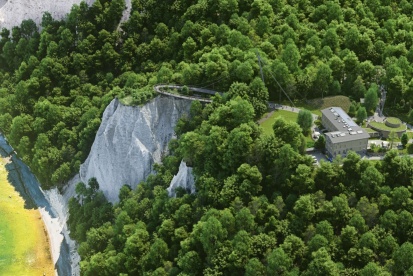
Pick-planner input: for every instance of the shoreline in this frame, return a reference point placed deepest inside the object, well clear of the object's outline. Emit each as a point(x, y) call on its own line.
point(53, 235)
point(62, 248)
point(58, 227)
point(24, 254)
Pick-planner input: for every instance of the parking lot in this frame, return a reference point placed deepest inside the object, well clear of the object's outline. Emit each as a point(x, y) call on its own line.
point(318, 156)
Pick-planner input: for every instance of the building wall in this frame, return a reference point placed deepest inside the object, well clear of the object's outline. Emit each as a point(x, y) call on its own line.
point(327, 124)
point(334, 149)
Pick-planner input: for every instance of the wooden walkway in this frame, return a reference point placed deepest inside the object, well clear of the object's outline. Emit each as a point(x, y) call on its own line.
point(158, 88)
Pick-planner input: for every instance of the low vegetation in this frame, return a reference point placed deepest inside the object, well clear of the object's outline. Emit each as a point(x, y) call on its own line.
point(394, 120)
point(269, 118)
point(369, 130)
point(383, 126)
point(316, 105)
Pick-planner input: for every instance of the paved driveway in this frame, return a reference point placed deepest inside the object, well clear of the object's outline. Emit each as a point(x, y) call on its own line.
point(318, 156)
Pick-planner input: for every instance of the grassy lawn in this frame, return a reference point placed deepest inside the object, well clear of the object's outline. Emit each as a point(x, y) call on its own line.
point(316, 105)
point(369, 130)
point(288, 116)
point(23, 240)
point(393, 120)
point(384, 127)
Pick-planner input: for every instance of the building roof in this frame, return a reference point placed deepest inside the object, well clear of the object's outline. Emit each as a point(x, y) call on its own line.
point(345, 128)
point(338, 117)
point(341, 136)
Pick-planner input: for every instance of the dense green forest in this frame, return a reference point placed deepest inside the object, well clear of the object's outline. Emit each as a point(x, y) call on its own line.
point(261, 207)
point(55, 83)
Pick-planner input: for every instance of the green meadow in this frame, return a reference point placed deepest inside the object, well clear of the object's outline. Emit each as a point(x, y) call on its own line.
point(269, 118)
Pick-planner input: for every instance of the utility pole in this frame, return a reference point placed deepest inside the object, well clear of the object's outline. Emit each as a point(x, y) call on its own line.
point(259, 63)
point(279, 85)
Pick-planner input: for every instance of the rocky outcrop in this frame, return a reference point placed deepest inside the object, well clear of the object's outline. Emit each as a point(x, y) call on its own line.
point(129, 141)
point(184, 179)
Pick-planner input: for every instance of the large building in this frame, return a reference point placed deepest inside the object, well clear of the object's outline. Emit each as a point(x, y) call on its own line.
point(344, 134)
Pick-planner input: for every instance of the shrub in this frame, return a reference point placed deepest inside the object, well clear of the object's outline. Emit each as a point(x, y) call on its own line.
point(410, 148)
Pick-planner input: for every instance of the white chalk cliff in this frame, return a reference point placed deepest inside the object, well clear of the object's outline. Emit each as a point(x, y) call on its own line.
point(129, 141)
point(13, 12)
point(57, 227)
point(183, 179)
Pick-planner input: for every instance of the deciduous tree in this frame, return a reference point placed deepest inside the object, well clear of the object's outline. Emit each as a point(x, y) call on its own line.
point(305, 120)
point(371, 98)
point(361, 114)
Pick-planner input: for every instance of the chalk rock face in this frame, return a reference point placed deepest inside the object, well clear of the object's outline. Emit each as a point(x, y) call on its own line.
point(129, 141)
point(126, 12)
point(57, 227)
point(13, 12)
point(184, 179)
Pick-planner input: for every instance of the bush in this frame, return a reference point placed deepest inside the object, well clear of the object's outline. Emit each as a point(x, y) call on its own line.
point(185, 90)
point(410, 148)
point(318, 123)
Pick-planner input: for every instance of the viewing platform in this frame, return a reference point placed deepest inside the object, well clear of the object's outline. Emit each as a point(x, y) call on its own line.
point(159, 89)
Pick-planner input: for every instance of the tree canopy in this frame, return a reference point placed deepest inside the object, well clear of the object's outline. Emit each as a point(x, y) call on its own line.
point(51, 78)
point(261, 207)
point(305, 120)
